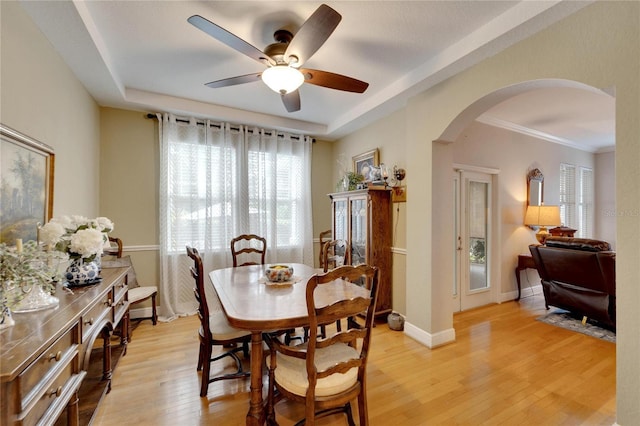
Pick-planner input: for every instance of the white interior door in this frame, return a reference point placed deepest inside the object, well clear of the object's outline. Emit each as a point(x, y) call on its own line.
point(472, 274)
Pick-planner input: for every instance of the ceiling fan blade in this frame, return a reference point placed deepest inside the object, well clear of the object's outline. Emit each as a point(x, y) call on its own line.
point(334, 81)
point(291, 101)
point(229, 39)
point(232, 81)
point(312, 34)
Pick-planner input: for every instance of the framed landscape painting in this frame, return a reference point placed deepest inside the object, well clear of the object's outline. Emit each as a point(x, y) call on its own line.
point(26, 185)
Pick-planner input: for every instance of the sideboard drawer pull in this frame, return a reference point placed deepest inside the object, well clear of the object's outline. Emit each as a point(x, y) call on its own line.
point(56, 392)
point(55, 356)
point(108, 303)
point(89, 321)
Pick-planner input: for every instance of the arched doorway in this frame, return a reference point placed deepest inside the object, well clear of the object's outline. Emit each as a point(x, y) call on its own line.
point(479, 144)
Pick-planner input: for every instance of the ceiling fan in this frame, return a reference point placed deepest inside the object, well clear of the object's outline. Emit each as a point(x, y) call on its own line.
point(285, 57)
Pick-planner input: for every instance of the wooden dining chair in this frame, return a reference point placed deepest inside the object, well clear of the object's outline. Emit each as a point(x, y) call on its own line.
point(250, 247)
point(253, 249)
point(334, 253)
point(137, 293)
point(215, 331)
point(323, 238)
point(326, 374)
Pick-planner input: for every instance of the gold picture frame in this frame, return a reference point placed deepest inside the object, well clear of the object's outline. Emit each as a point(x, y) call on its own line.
point(26, 185)
point(362, 162)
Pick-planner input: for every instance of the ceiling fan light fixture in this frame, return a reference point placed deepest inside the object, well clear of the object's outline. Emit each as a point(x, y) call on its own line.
point(282, 79)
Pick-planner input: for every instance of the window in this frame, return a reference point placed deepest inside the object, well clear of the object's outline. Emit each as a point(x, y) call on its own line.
point(576, 199)
point(222, 182)
point(194, 195)
point(218, 181)
point(585, 203)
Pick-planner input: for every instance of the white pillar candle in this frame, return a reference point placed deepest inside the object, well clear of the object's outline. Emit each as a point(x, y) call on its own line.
point(19, 245)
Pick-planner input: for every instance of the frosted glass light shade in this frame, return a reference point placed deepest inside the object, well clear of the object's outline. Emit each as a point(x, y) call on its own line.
point(282, 79)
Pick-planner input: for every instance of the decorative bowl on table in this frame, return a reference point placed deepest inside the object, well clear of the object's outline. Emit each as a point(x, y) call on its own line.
point(279, 273)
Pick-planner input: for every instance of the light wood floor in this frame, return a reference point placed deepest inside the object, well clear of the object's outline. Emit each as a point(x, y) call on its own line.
point(504, 368)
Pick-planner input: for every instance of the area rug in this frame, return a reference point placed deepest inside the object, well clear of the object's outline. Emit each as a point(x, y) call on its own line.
point(562, 318)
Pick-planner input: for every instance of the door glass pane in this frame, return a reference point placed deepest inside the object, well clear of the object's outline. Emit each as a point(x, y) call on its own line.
point(478, 209)
point(456, 235)
point(358, 231)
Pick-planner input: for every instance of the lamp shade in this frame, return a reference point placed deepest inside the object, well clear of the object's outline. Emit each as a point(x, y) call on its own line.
point(542, 216)
point(282, 79)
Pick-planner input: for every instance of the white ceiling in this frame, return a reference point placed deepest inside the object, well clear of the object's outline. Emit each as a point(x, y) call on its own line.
point(145, 55)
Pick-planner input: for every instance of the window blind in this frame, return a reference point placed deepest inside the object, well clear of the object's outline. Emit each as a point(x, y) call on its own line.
point(568, 195)
point(585, 203)
point(576, 199)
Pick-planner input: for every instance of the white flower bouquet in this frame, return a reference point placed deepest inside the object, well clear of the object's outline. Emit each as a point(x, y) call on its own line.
point(79, 237)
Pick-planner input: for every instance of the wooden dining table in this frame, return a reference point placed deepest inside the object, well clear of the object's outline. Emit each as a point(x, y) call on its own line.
point(251, 303)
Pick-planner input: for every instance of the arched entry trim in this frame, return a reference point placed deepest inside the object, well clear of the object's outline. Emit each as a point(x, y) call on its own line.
point(485, 103)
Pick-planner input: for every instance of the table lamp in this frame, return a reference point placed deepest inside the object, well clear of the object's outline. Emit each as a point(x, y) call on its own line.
point(542, 216)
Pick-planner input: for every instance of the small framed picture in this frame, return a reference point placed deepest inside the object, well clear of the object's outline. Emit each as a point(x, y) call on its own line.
point(364, 163)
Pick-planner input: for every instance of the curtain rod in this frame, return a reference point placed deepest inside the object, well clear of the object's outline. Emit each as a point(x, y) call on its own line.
point(217, 126)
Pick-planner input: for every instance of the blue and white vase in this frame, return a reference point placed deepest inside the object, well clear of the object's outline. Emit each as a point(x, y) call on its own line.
point(82, 273)
point(6, 320)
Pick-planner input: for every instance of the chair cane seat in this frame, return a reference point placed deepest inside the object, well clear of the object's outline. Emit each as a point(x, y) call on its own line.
point(140, 293)
point(221, 329)
point(291, 373)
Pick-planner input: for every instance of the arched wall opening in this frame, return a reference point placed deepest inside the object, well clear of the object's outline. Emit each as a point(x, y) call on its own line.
point(473, 111)
point(598, 57)
point(433, 326)
point(510, 236)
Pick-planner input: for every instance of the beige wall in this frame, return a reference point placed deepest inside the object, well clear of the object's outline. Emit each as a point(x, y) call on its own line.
point(129, 186)
point(321, 184)
point(598, 46)
point(41, 98)
point(531, 59)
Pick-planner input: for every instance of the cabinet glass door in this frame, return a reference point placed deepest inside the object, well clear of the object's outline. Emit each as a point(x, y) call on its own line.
point(340, 220)
point(358, 231)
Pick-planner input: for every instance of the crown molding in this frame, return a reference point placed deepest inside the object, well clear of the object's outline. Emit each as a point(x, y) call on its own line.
point(507, 125)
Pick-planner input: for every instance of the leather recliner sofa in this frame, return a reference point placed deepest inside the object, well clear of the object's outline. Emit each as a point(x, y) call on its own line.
point(578, 275)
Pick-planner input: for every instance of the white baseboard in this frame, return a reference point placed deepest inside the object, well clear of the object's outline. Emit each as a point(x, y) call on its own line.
point(429, 340)
point(507, 297)
point(526, 291)
point(447, 336)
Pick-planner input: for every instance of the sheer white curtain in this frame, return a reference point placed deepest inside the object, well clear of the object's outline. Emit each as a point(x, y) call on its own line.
point(218, 181)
